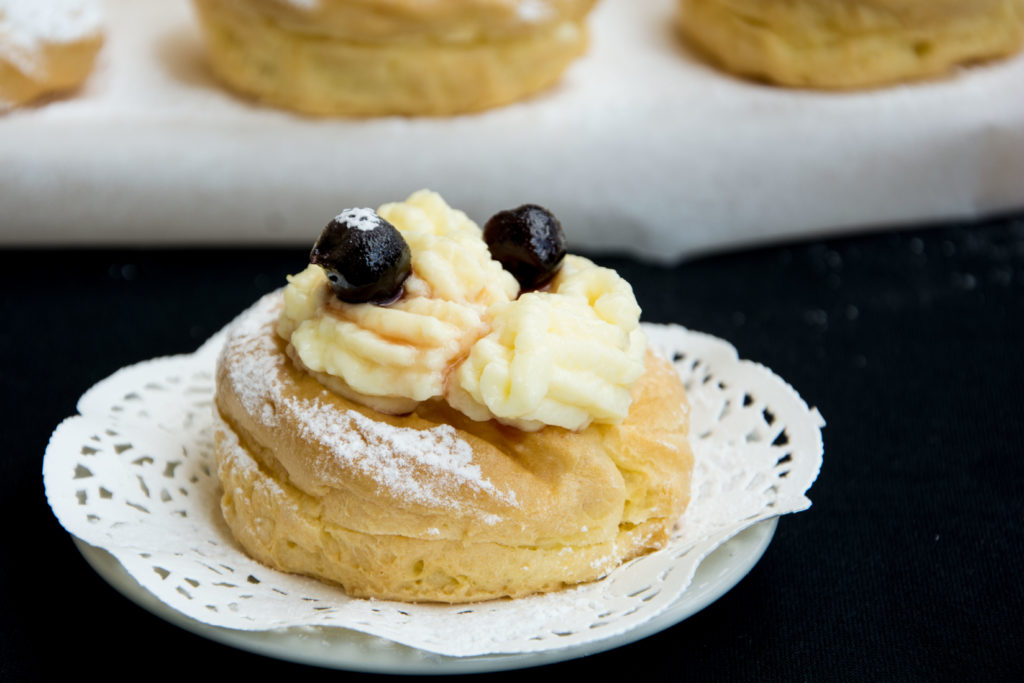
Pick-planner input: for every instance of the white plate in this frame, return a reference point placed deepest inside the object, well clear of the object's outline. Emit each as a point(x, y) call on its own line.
point(340, 648)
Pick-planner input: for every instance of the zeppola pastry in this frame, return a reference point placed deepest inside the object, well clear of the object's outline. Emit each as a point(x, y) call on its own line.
point(431, 412)
point(46, 47)
point(851, 43)
point(375, 57)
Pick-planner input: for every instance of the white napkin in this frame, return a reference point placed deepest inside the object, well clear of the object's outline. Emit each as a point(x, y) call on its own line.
point(641, 148)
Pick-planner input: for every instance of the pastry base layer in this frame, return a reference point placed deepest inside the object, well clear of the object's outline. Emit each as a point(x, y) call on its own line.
point(323, 74)
point(857, 44)
point(433, 506)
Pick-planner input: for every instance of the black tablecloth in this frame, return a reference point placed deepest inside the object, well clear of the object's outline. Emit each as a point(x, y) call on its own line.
point(909, 565)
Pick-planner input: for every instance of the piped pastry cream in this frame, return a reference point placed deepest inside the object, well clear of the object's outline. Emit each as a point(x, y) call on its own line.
point(410, 420)
point(394, 357)
point(566, 356)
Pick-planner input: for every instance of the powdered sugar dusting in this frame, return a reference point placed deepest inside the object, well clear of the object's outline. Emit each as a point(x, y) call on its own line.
point(394, 457)
point(26, 25)
point(54, 21)
point(534, 10)
point(361, 219)
point(528, 10)
point(250, 378)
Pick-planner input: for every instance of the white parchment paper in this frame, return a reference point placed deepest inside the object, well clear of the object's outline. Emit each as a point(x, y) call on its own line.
point(641, 148)
point(134, 474)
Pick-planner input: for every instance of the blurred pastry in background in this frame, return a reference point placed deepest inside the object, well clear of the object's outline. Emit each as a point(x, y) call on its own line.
point(46, 47)
point(378, 57)
point(850, 43)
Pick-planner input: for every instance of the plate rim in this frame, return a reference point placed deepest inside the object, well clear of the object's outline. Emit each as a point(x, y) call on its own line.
point(716, 575)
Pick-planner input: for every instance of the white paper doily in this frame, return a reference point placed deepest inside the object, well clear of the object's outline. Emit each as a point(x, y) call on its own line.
point(134, 474)
point(342, 648)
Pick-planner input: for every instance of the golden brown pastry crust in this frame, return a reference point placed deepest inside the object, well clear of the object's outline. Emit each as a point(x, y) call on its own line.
point(543, 510)
point(362, 57)
point(850, 44)
point(56, 67)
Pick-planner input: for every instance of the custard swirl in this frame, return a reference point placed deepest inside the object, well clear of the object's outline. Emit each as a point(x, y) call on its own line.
point(567, 356)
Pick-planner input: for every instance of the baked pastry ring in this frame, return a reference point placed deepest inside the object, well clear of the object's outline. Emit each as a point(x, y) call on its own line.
point(850, 43)
point(375, 57)
point(433, 506)
point(46, 47)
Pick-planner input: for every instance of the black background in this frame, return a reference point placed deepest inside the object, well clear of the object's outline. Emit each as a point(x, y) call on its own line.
point(908, 566)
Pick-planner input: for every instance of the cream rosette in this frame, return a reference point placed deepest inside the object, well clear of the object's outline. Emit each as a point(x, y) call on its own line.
point(393, 357)
point(565, 357)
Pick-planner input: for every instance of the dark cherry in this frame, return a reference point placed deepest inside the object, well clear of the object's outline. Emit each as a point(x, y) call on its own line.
point(365, 257)
point(528, 242)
